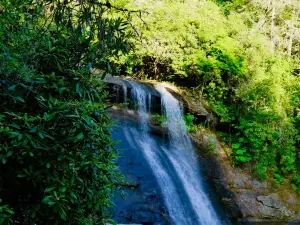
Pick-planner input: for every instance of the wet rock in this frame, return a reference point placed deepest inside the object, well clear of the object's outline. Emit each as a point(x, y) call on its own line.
point(249, 204)
point(270, 206)
point(195, 106)
point(262, 222)
point(207, 141)
point(238, 183)
point(271, 200)
point(256, 185)
point(295, 218)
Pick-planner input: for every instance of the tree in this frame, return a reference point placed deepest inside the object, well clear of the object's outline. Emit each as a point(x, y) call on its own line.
point(239, 56)
point(57, 160)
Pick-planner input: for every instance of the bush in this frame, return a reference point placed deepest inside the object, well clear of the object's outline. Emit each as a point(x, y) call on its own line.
point(57, 160)
point(159, 119)
point(189, 120)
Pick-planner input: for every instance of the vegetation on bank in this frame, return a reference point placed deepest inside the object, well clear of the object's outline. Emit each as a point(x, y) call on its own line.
point(243, 58)
point(57, 158)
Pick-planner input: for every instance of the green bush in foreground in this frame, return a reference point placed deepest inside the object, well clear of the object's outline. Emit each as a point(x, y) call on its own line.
point(57, 160)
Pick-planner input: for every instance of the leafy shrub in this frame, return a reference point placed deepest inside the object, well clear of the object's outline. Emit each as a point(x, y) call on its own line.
point(159, 119)
point(296, 182)
point(57, 160)
point(6, 214)
point(278, 178)
point(189, 120)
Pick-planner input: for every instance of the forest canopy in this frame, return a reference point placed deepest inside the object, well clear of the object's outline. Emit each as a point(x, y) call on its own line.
point(242, 57)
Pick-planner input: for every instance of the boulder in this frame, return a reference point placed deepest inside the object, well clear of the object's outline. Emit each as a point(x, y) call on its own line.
point(271, 206)
point(271, 200)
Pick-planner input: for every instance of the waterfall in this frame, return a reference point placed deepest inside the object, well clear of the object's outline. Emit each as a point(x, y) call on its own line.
point(140, 96)
point(124, 92)
point(174, 165)
point(184, 159)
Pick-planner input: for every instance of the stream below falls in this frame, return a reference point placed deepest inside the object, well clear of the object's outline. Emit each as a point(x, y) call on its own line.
point(169, 185)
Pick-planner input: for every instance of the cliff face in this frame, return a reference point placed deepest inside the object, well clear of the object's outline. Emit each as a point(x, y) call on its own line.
point(244, 196)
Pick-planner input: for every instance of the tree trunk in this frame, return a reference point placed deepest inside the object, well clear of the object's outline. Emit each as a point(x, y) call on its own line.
point(273, 26)
point(155, 77)
point(290, 44)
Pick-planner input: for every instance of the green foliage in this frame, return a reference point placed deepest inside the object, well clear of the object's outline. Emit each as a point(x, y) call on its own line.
point(189, 121)
point(6, 214)
point(123, 105)
point(211, 147)
point(296, 182)
point(278, 178)
point(159, 119)
point(241, 153)
point(223, 51)
point(223, 112)
point(57, 160)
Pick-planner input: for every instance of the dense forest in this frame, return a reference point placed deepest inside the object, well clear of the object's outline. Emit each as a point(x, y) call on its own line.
point(242, 57)
point(57, 157)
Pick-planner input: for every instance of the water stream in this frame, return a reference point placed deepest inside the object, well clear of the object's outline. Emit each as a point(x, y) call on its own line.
point(173, 164)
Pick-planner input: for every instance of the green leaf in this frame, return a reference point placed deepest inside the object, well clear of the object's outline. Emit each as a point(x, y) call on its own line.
point(48, 165)
point(46, 200)
point(243, 159)
point(77, 88)
point(33, 130)
point(236, 146)
point(9, 153)
point(61, 90)
point(15, 126)
point(62, 214)
point(13, 134)
point(80, 136)
point(240, 151)
point(49, 189)
point(59, 67)
point(22, 175)
point(12, 88)
point(41, 135)
point(20, 136)
point(48, 136)
point(20, 99)
point(4, 160)
point(72, 180)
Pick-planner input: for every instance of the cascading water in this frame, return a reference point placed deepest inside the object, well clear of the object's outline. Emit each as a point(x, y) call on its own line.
point(140, 96)
point(174, 164)
point(184, 160)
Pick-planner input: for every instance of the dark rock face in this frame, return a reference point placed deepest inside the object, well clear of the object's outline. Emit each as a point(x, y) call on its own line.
point(141, 201)
point(270, 206)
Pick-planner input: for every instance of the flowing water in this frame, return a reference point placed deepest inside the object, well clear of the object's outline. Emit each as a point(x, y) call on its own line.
point(173, 163)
